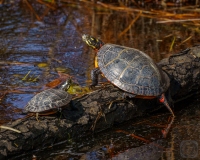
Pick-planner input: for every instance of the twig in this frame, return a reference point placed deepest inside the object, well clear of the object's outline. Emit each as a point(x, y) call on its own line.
point(169, 35)
point(46, 11)
point(47, 4)
point(186, 40)
point(171, 46)
point(179, 20)
point(132, 22)
point(24, 78)
point(135, 136)
point(9, 128)
point(31, 8)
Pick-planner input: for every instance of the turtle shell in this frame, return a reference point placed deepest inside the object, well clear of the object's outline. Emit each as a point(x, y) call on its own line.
point(132, 70)
point(48, 100)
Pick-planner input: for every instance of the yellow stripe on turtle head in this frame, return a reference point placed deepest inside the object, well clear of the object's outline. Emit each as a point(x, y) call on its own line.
point(95, 62)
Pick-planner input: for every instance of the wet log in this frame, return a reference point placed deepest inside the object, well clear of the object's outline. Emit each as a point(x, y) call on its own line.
point(183, 70)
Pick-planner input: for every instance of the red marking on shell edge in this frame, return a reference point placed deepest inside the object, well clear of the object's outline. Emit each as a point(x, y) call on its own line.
point(162, 99)
point(145, 97)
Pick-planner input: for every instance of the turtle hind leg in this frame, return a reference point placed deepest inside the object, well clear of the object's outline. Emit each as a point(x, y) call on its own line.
point(163, 100)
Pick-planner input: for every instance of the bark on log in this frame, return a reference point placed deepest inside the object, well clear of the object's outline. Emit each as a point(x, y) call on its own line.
point(183, 70)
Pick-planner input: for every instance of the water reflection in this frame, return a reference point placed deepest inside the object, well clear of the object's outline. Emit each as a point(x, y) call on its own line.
point(27, 42)
point(55, 40)
point(152, 151)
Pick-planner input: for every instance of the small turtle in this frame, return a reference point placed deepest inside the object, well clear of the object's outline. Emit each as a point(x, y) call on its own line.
point(49, 101)
point(130, 70)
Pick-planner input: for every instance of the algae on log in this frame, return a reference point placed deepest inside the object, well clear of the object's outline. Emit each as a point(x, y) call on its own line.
point(183, 70)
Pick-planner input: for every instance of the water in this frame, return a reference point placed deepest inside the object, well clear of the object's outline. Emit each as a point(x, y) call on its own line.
point(45, 41)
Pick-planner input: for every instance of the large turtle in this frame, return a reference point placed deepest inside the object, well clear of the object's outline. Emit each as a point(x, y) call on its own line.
point(49, 101)
point(131, 70)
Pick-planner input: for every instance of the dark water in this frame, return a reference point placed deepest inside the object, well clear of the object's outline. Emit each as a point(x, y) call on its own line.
point(44, 42)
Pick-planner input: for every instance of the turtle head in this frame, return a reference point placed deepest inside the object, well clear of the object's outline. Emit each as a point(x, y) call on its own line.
point(66, 85)
point(94, 43)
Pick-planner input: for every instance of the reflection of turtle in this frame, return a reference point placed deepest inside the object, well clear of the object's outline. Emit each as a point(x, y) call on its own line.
point(131, 70)
point(49, 101)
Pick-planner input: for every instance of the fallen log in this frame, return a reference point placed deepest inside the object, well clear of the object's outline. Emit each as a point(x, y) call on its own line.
point(183, 70)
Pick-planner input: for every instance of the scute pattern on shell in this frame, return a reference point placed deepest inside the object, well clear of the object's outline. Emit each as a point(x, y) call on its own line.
point(47, 100)
point(131, 70)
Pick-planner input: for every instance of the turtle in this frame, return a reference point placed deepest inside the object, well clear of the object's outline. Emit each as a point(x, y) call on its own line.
point(49, 101)
point(131, 70)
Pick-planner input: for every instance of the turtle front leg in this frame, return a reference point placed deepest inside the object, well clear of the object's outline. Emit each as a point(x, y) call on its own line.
point(163, 100)
point(94, 76)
